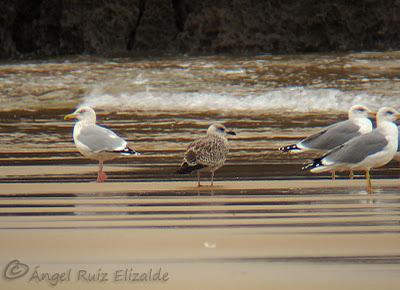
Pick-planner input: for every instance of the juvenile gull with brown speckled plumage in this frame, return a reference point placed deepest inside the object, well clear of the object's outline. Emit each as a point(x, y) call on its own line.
point(207, 153)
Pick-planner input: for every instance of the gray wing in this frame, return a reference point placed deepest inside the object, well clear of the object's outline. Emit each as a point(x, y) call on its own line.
point(99, 139)
point(357, 149)
point(333, 136)
point(206, 151)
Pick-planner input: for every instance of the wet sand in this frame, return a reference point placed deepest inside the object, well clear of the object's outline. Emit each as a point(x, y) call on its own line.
point(209, 259)
point(279, 234)
point(137, 187)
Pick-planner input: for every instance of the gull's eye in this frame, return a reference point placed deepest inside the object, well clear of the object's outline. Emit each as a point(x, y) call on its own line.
point(361, 110)
point(221, 129)
point(389, 113)
point(82, 111)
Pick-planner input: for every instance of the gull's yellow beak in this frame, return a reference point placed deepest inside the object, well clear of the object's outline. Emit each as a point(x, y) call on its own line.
point(397, 116)
point(70, 116)
point(371, 114)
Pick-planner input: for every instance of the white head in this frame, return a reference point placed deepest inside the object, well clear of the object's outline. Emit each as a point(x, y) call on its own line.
point(360, 111)
point(387, 114)
point(84, 114)
point(219, 130)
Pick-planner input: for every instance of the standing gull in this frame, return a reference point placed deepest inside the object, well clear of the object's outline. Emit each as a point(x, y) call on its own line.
point(207, 153)
point(336, 134)
point(371, 150)
point(96, 142)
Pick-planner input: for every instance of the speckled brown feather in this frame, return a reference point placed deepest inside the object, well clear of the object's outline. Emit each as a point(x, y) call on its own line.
point(209, 151)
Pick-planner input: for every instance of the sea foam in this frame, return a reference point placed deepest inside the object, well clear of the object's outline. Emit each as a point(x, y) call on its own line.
point(298, 99)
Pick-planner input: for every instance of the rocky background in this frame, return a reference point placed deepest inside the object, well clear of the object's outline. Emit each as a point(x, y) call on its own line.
point(59, 27)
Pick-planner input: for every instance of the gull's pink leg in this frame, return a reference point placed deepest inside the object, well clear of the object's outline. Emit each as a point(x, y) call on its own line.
point(101, 175)
point(99, 172)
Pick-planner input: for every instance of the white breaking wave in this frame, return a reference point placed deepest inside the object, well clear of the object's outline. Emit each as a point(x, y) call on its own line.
point(289, 99)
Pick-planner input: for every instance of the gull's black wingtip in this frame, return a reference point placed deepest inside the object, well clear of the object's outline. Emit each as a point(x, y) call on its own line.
point(312, 164)
point(128, 151)
point(289, 148)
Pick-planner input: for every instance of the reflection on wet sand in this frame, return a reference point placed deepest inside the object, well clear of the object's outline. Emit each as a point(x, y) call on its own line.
point(249, 234)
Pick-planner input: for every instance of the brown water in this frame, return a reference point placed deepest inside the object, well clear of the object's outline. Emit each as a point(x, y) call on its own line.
point(286, 238)
point(160, 105)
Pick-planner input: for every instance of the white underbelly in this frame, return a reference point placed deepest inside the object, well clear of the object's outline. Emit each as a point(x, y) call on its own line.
point(99, 156)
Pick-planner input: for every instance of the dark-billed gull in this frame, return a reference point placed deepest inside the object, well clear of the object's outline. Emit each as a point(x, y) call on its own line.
point(207, 153)
point(96, 142)
point(371, 150)
point(335, 134)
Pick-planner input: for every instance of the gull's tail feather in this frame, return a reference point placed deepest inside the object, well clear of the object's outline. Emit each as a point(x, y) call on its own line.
point(186, 168)
point(127, 151)
point(289, 148)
